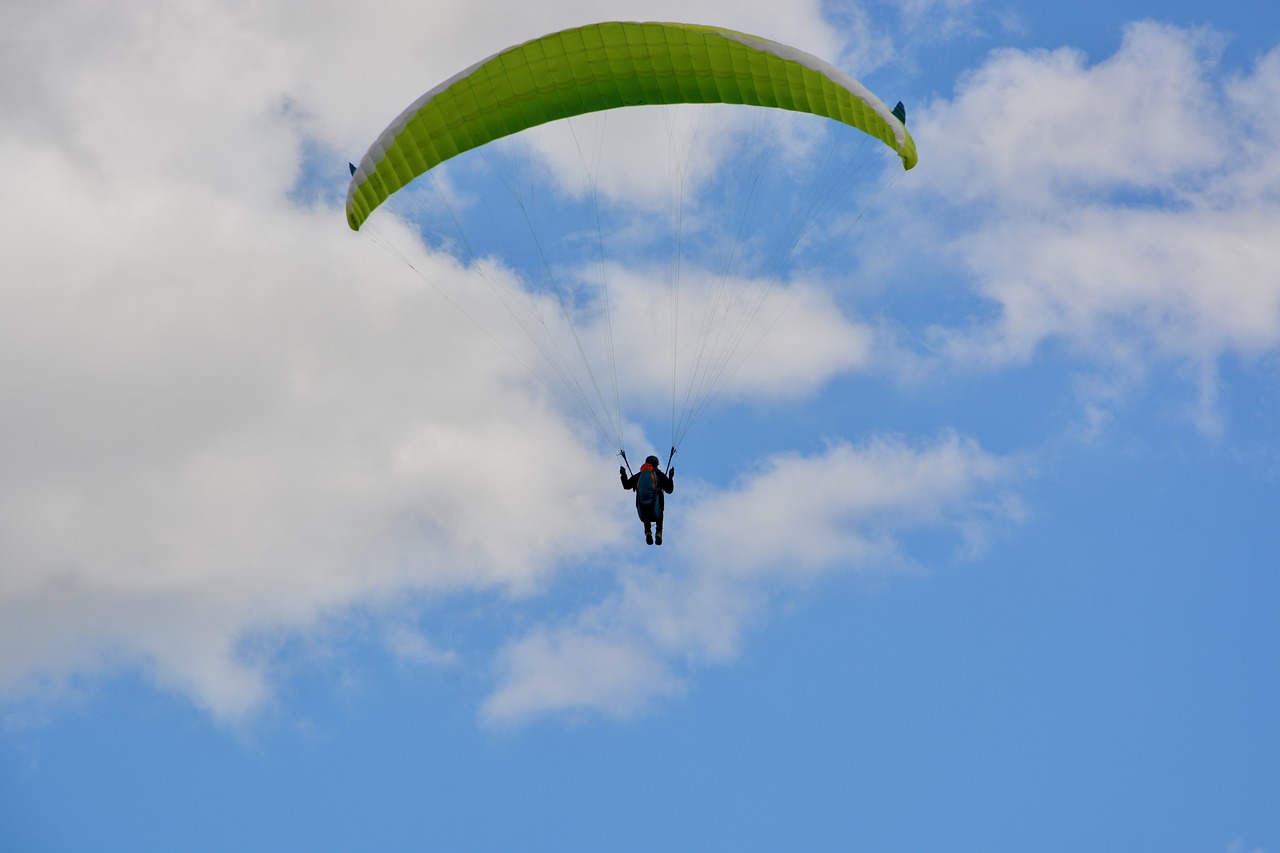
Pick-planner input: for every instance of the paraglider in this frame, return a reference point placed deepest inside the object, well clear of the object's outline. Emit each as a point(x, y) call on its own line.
point(606, 66)
point(603, 67)
point(650, 484)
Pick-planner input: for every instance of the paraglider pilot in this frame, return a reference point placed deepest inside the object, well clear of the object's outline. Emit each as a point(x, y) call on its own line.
point(649, 484)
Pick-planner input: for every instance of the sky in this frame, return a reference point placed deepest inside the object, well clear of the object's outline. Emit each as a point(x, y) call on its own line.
point(304, 545)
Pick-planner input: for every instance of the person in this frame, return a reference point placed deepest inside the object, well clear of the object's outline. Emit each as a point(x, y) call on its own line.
point(649, 484)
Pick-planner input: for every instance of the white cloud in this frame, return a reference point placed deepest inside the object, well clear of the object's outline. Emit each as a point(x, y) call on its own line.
point(243, 446)
point(1124, 207)
point(766, 339)
point(807, 513)
point(1239, 846)
point(938, 19)
point(412, 646)
point(1043, 128)
point(574, 671)
point(775, 532)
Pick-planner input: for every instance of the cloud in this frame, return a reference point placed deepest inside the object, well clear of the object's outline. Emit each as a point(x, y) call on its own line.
point(751, 337)
point(1039, 127)
point(1239, 846)
point(1123, 208)
point(573, 671)
point(776, 532)
point(415, 647)
point(189, 461)
point(807, 513)
point(938, 19)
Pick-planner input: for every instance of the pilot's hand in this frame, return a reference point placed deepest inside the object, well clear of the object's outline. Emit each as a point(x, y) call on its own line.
point(622, 472)
point(671, 473)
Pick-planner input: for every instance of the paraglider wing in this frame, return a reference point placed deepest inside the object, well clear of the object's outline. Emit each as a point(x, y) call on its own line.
point(605, 66)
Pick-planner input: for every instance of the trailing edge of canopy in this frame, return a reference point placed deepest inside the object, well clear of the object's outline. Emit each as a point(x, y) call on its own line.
point(604, 66)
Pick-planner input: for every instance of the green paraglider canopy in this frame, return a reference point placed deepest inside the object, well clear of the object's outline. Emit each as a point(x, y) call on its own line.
point(606, 66)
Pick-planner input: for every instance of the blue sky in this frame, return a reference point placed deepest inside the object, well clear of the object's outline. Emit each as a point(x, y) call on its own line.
point(976, 552)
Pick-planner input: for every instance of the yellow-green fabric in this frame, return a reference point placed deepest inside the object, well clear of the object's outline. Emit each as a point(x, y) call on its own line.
point(604, 66)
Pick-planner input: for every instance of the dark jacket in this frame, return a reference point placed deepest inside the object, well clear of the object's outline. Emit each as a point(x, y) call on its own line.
point(664, 485)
